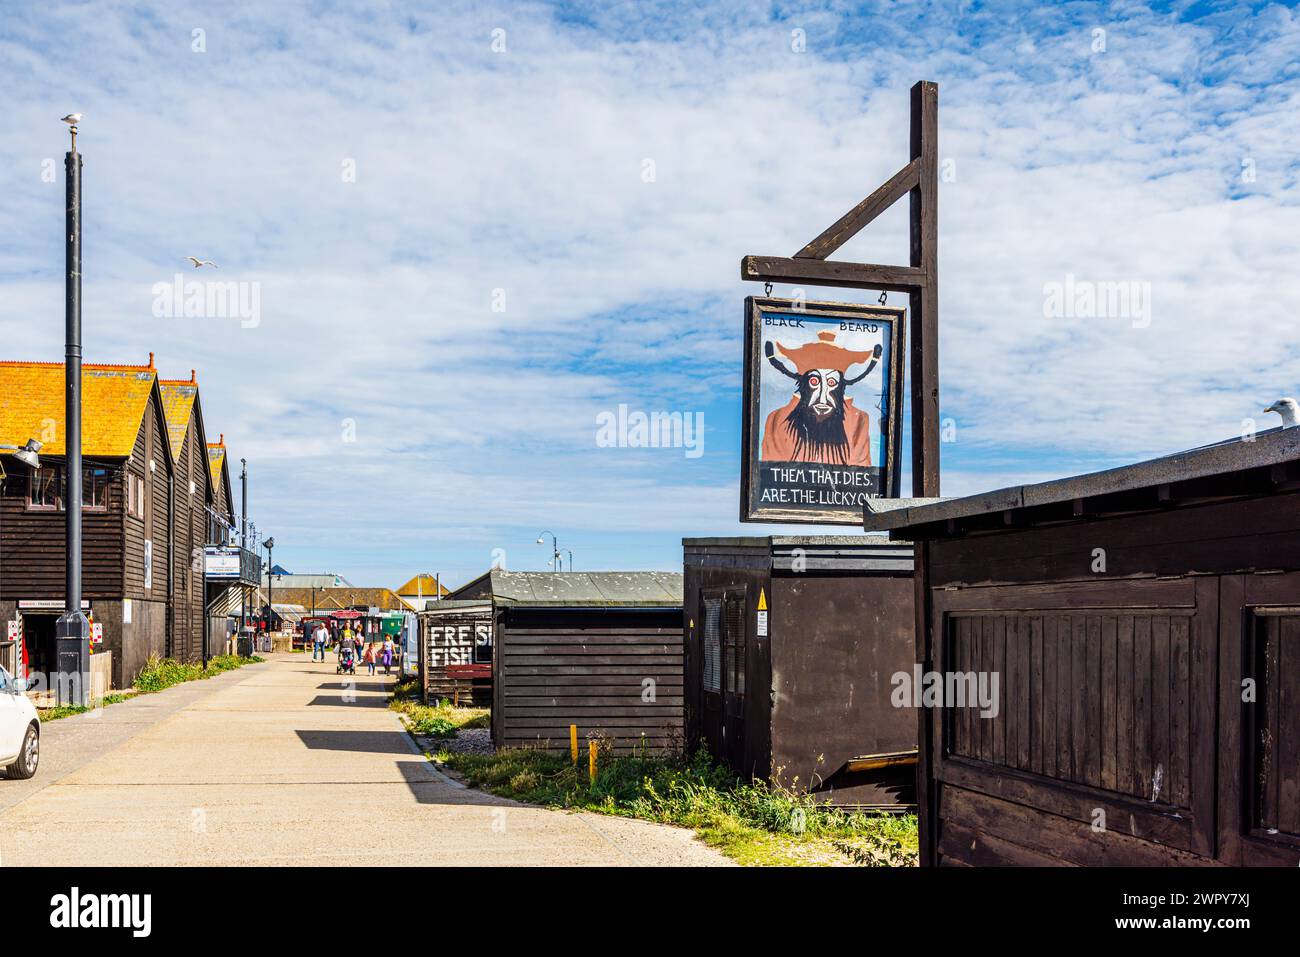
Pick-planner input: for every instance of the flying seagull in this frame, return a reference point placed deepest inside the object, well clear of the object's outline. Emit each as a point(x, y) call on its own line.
point(1289, 409)
point(72, 119)
point(202, 262)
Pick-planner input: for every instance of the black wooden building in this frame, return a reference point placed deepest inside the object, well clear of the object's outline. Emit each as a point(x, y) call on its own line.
point(791, 646)
point(1144, 623)
point(599, 650)
point(126, 548)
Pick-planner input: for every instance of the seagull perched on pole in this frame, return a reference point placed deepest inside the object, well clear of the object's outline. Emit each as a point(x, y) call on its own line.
point(1289, 409)
point(202, 262)
point(72, 119)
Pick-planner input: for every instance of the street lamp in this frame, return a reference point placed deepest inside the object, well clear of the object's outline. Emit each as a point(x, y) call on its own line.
point(72, 630)
point(555, 548)
point(23, 453)
point(569, 552)
point(269, 544)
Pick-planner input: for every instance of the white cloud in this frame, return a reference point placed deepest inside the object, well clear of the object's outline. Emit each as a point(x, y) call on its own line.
point(522, 172)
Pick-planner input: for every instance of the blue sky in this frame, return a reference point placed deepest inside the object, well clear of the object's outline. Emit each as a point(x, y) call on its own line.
point(394, 420)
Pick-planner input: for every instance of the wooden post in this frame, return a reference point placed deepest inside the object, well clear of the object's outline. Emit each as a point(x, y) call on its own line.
point(919, 180)
point(923, 302)
point(573, 743)
point(591, 760)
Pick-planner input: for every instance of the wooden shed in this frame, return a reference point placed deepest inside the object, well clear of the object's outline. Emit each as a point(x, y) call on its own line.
point(456, 651)
point(791, 645)
point(600, 650)
point(1144, 625)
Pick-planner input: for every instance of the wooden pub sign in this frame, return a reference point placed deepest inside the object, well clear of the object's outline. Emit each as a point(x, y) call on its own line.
point(823, 389)
point(824, 380)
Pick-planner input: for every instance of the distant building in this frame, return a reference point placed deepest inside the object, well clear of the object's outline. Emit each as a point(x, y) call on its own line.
point(422, 588)
point(317, 600)
point(284, 579)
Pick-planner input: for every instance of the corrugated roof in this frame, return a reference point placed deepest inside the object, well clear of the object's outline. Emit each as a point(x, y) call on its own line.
point(1273, 447)
point(114, 399)
point(178, 397)
point(587, 588)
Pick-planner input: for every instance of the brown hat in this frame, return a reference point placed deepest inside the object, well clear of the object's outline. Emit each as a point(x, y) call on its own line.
point(823, 354)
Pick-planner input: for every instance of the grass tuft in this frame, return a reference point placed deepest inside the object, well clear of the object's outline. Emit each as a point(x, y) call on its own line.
point(437, 721)
point(751, 822)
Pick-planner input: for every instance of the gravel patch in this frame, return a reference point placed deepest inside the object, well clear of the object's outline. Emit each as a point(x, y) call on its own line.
point(473, 741)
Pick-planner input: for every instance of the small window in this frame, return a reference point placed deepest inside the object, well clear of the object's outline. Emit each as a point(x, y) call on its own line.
point(735, 642)
point(94, 488)
point(45, 487)
point(712, 644)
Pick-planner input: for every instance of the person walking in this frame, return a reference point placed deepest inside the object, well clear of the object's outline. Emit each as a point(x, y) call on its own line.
point(369, 656)
point(388, 654)
point(318, 638)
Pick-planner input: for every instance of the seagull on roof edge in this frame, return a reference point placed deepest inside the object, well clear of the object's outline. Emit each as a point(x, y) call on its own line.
point(1289, 409)
point(202, 262)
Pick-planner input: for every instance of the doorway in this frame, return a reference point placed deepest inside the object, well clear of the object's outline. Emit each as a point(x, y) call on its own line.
point(723, 674)
point(40, 649)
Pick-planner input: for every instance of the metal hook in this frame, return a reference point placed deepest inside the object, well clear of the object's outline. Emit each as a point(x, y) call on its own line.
point(767, 289)
point(884, 297)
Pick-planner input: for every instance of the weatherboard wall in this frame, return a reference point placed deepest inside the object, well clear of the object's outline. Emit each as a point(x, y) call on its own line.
point(838, 612)
point(615, 673)
point(1123, 735)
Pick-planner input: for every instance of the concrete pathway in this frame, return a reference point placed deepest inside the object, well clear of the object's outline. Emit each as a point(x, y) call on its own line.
point(285, 763)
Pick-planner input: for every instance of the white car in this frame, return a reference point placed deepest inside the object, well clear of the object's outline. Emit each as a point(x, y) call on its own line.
point(20, 729)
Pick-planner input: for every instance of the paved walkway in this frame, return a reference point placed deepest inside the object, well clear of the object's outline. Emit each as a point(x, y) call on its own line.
point(283, 763)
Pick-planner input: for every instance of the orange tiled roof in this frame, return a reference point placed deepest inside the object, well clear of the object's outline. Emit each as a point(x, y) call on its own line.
point(216, 457)
point(428, 587)
point(178, 402)
point(114, 399)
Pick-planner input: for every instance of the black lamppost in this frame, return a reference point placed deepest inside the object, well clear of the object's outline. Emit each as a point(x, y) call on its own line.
point(269, 544)
point(72, 630)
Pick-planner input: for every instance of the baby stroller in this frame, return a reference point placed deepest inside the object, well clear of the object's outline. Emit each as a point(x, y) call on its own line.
point(347, 663)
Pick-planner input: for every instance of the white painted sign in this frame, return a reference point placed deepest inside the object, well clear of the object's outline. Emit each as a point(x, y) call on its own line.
point(762, 624)
point(148, 563)
point(126, 611)
point(454, 644)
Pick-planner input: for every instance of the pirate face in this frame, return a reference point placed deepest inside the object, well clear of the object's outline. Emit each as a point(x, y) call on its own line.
point(822, 391)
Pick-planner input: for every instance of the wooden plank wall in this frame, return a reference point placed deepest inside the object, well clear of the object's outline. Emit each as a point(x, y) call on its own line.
point(592, 668)
point(1099, 747)
point(1276, 770)
point(1100, 699)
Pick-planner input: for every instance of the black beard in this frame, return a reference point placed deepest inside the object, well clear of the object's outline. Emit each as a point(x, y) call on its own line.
point(823, 440)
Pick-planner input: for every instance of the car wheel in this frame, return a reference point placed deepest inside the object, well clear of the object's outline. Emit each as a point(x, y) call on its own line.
point(29, 757)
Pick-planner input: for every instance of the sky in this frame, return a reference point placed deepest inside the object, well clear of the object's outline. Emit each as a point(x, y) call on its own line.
point(472, 228)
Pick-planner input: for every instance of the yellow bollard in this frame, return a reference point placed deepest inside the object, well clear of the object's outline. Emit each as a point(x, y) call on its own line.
point(573, 743)
point(591, 760)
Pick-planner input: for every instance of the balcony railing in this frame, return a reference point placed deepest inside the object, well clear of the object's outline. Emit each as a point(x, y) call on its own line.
point(232, 564)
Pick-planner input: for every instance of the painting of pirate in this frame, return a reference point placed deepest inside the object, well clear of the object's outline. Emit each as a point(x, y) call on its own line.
point(820, 423)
